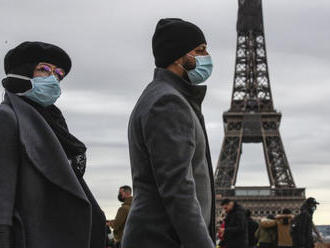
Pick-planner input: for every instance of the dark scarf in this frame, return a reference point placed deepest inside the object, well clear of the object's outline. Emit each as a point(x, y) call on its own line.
point(74, 149)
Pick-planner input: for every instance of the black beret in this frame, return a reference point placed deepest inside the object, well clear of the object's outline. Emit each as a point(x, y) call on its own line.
point(311, 201)
point(174, 38)
point(34, 53)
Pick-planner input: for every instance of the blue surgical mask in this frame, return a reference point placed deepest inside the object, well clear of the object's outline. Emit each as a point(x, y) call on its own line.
point(45, 90)
point(202, 71)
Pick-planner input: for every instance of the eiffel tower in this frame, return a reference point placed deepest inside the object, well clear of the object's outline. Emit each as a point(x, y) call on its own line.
point(253, 119)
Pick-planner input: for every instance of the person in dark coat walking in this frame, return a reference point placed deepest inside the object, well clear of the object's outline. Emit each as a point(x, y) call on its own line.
point(235, 233)
point(302, 225)
point(174, 200)
point(252, 228)
point(44, 200)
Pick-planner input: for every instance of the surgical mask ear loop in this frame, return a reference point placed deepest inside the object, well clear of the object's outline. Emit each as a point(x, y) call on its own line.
point(18, 76)
point(193, 58)
point(183, 66)
point(12, 75)
point(195, 63)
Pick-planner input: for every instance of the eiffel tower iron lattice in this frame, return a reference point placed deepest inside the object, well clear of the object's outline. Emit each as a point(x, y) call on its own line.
point(253, 119)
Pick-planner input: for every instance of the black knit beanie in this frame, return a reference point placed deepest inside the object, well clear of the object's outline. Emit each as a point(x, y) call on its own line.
point(174, 38)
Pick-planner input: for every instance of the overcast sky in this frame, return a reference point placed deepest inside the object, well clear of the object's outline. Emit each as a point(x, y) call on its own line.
point(110, 46)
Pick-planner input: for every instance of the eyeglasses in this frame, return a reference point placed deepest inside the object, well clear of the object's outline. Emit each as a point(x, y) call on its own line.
point(47, 70)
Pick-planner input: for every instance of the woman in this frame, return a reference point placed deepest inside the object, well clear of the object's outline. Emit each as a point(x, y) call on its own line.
point(44, 200)
point(283, 224)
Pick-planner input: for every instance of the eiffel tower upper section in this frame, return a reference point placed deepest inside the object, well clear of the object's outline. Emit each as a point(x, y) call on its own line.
point(251, 91)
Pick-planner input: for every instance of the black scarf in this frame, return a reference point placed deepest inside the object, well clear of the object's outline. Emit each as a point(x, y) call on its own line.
point(74, 149)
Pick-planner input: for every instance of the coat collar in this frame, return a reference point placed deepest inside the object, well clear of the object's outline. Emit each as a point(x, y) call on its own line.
point(43, 148)
point(128, 201)
point(194, 93)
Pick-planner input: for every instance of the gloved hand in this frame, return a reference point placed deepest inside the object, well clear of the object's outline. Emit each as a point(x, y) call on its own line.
point(5, 237)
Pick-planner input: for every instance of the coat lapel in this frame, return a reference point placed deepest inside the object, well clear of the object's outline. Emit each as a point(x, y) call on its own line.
point(43, 148)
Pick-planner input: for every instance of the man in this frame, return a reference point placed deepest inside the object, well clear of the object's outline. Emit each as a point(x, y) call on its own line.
point(252, 228)
point(170, 159)
point(302, 225)
point(118, 223)
point(235, 233)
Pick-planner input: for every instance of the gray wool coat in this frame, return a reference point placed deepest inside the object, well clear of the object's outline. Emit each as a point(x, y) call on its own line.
point(40, 196)
point(173, 184)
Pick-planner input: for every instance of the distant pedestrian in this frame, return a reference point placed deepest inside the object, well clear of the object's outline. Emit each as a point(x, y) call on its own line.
point(235, 233)
point(252, 228)
point(118, 224)
point(220, 233)
point(302, 225)
point(283, 224)
point(266, 236)
point(44, 199)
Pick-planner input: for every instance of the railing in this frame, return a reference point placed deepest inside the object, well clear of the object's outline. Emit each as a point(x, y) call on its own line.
point(262, 192)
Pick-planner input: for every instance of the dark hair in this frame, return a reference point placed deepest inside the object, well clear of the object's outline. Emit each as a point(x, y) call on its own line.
point(286, 211)
point(271, 217)
point(286, 220)
point(248, 213)
point(126, 188)
point(225, 201)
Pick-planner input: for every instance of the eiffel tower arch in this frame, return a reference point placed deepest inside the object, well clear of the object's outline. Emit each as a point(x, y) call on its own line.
point(253, 119)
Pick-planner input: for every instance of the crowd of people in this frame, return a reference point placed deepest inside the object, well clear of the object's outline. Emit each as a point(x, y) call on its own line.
point(239, 230)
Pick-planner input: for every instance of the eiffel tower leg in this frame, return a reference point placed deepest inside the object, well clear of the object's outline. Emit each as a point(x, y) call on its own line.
point(226, 172)
point(277, 164)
